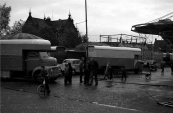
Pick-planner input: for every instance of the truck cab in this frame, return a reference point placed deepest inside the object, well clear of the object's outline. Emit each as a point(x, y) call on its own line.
point(25, 57)
point(35, 59)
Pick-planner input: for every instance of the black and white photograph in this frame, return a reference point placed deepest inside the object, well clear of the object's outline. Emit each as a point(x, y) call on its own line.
point(86, 56)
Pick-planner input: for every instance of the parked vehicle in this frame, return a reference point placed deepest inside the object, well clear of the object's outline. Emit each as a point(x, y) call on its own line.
point(117, 56)
point(74, 64)
point(24, 57)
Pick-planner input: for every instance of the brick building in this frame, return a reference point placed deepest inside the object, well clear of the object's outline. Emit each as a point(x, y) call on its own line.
point(58, 32)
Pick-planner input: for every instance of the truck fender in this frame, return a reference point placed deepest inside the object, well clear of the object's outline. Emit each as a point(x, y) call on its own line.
point(38, 68)
point(35, 74)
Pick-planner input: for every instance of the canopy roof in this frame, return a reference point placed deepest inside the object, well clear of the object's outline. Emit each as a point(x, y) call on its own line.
point(155, 28)
point(162, 26)
point(16, 47)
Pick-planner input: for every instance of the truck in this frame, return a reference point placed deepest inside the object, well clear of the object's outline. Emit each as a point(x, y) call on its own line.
point(24, 58)
point(118, 57)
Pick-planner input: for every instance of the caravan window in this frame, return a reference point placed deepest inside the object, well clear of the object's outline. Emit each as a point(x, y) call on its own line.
point(43, 54)
point(33, 55)
point(138, 57)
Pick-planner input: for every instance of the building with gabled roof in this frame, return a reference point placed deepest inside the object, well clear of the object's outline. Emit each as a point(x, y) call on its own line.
point(58, 32)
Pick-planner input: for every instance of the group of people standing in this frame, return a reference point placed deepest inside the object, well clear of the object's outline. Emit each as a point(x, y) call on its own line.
point(88, 68)
point(88, 72)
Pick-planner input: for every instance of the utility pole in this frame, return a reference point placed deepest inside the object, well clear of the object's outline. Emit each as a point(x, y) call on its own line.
point(86, 27)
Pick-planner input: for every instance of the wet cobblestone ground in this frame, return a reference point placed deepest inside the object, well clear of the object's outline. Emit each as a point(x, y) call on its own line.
point(20, 96)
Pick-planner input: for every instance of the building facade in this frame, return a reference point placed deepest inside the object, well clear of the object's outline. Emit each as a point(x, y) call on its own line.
point(58, 32)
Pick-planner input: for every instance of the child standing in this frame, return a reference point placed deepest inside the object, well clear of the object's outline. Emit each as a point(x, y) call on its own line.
point(66, 74)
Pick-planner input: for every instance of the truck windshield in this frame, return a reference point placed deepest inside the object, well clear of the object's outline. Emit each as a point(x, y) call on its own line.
point(43, 54)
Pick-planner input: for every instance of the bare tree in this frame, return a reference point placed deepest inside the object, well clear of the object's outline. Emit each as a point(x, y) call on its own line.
point(17, 27)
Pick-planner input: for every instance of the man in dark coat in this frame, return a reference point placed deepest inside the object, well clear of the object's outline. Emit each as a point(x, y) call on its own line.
point(162, 65)
point(68, 74)
point(81, 66)
point(94, 68)
point(172, 67)
point(86, 71)
point(124, 74)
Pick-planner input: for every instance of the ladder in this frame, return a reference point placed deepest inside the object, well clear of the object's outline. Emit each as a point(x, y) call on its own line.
point(147, 53)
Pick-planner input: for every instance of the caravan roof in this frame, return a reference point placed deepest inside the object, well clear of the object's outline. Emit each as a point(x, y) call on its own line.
point(117, 48)
point(26, 41)
point(16, 46)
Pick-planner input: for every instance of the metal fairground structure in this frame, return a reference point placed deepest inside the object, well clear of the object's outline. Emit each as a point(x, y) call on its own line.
point(162, 26)
point(125, 40)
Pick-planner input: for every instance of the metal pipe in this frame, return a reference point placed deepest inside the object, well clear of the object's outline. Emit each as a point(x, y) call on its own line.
point(86, 27)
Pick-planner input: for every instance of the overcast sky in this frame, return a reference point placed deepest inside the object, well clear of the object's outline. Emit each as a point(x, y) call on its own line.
point(105, 17)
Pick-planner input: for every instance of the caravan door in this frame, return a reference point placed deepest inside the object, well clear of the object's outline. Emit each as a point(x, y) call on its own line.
point(32, 60)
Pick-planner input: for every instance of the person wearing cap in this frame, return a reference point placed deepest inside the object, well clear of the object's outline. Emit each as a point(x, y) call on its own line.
point(44, 74)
